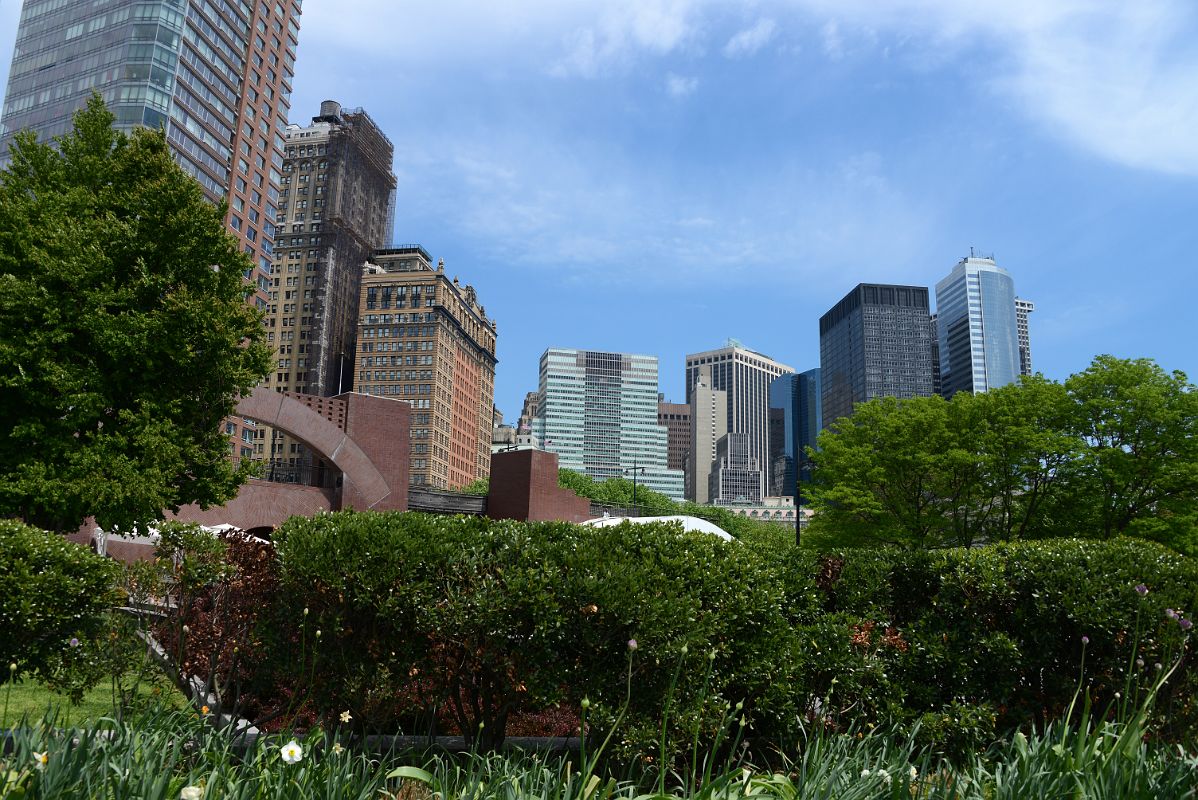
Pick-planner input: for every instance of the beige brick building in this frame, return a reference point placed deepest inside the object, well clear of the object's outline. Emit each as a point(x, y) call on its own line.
point(423, 337)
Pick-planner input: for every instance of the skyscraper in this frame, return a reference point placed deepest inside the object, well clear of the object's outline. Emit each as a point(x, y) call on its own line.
point(810, 420)
point(736, 475)
point(215, 75)
point(782, 467)
point(676, 417)
point(746, 376)
point(709, 424)
point(337, 187)
point(598, 412)
point(978, 335)
point(426, 339)
point(1022, 309)
point(878, 341)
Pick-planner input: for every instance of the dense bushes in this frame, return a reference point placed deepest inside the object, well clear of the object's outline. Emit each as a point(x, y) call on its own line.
point(411, 621)
point(1003, 626)
point(53, 595)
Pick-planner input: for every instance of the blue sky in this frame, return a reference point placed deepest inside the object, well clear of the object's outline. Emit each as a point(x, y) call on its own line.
point(655, 176)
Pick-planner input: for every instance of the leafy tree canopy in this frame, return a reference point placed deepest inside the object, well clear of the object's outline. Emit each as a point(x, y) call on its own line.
point(1113, 450)
point(125, 338)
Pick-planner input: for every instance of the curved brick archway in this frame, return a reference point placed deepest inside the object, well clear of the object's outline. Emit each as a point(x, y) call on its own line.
point(363, 437)
point(285, 412)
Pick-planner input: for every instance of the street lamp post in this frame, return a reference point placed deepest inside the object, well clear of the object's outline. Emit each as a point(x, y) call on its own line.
point(634, 469)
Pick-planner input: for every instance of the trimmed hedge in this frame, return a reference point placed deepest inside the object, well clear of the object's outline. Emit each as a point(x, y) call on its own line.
point(51, 591)
point(417, 623)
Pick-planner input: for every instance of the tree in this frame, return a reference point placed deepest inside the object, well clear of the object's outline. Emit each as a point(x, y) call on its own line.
point(125, 338)
point(1138, 472)
point(1113, 450)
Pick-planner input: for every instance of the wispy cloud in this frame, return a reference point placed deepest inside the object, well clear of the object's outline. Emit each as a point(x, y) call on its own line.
point(1117, 79)
point(681, 86)
point(624, 29)
point(748, 41)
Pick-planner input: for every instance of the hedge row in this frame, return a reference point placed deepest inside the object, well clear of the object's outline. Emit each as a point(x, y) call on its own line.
point(410, 621)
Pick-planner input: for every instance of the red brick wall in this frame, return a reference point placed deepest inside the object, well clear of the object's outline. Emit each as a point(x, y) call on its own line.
point(524, 486)
point(382, 428)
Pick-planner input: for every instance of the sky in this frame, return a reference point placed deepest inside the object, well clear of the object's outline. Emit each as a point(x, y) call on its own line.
point(656, 176)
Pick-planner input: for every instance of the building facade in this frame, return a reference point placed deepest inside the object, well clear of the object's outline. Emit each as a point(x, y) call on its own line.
point(1023, 308)
point(977, 329)
point(598, 412)
point(333, 213)
point(676, 418)
point(745, 376)
point(878, 341)
point(783, 464)
point(736, 475)
point(810, 421)
point(709, 424)
point(424, 338)
point(215, 75)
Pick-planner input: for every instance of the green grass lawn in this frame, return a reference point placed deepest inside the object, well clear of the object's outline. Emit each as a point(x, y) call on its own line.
point(34, 699)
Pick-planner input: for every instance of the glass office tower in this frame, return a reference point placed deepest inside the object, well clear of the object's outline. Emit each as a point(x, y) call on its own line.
point(976, 326)
point(878, 341)
point(598, 412)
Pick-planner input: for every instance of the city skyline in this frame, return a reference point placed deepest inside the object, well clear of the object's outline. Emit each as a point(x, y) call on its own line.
point(742, 167)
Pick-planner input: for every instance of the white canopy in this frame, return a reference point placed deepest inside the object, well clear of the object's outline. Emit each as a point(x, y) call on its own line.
point(688, 524)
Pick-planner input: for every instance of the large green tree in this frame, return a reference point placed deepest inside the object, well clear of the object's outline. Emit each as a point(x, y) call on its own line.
point(1113, 450)
point(1139, 470)
point(125, 337)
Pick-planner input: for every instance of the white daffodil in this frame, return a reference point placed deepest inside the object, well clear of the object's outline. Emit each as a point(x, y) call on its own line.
point(192, 793)
point(40, 760)
point(346, 716)
point(291, 752)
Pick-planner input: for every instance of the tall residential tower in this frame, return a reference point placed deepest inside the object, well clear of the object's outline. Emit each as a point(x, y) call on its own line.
point(216, 75)
point(425, 338)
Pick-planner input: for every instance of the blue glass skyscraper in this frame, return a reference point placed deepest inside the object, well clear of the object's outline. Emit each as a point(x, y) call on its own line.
point(976, 327)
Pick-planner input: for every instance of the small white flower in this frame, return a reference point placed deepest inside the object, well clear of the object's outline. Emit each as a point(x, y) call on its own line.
point(914, 773)
point(292, 753)
point(338, 749)
point(865, 773)
point(40, 760)
point(346, 716)
point(191, 793)
point(885, 776)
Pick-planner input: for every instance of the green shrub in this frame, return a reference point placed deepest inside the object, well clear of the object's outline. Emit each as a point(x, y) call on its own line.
point(1003, 625)
point(53, 595)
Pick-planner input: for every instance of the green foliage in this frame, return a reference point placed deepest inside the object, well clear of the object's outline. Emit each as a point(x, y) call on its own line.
point(124, 335)
point(1002, 626)
point(1112, 450)
point(486, 619)
point(478, 486)
point(53, 598)
point(411, 621)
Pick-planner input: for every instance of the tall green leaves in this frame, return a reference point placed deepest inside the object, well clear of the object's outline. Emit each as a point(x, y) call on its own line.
point(1112, 450)
point(124, 335)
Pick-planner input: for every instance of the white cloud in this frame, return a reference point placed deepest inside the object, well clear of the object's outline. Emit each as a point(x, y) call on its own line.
point(1117, 79)
point(833, 44)
point(624, 29)
point(680, 86)
point(750, 40)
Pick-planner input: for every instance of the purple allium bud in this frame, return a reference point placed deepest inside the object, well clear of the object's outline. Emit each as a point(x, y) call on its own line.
point(74, 642)
point(632, 644)
point(1141, 589)
point(1085, 640)
point(1185, 624)
point(1170, 613)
